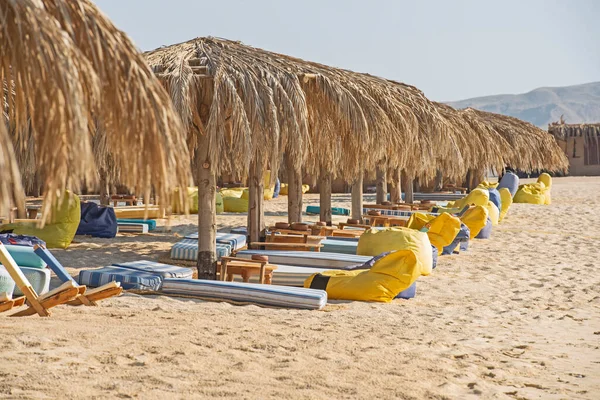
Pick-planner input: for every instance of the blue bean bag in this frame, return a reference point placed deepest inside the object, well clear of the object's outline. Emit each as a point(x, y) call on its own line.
point(97, 221)
point(277, 188)
point(461, 237)
point(495, 197)
point(486, 232)
point(509, 181)
point(409, 293)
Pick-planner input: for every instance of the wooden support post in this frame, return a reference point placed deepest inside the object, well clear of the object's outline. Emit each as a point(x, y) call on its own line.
point(357, 198)
point(395, 187)
point(294, 191)
point(408, 183)
point(325, 196)
point(439, 181)
point(207, 214)
point(467, 182)
point(256, 218)
point(381, 193)
point(104, 190)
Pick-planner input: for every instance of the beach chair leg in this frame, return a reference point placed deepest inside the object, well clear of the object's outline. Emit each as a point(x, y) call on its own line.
point(34, 305)
point(49, 302)
point(6, 305)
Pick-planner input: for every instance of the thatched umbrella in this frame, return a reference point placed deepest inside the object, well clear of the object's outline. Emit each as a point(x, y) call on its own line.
point(67, 62)
point(528, 147)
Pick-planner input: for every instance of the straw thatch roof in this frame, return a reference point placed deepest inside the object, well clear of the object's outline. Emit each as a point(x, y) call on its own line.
point(65, 63)
point(258, 104)
point(529, 147)
point(562, 131)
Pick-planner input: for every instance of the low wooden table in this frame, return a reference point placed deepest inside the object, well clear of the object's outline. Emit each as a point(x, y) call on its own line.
point(127, 199)
point(230, 266)
point(386, 220)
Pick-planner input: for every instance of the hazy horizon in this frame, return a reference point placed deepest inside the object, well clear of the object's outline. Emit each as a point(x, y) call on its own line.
point(451, 51)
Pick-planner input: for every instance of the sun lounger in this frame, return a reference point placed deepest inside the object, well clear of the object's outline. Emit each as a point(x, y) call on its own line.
point(187, 249)
point(156, 268)
point(335, 245)
point(438, 196)
point(236, 241)
point(128, 227)
point(37, 304)
point(316, 210)
point(88, 297)
point(247, 293)
point(399, 213)
point(308, 258)
point(150, 222)
point(129, 279)
point(138, 212)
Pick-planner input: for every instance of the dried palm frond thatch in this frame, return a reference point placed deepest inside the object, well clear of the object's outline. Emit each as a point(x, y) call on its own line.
point(67, 63)
point(256, 104)
point(531, 148)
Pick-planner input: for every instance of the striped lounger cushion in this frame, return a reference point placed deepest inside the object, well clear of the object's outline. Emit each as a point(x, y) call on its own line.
point(39, 279)
point(308, 258)
point(128, 227)
point(129, 278)
point(339, 246)
point(265, 295)
point(150, 222)
point(156, 268)
point(187, 249)
point(398, 213)
point(236, 241)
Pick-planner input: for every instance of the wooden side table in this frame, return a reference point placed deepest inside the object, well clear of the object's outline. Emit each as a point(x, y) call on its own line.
point(230, 266)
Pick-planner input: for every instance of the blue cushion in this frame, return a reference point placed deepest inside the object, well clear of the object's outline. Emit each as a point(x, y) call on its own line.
point(495, 198)
point(129, 278)
point(25, 257)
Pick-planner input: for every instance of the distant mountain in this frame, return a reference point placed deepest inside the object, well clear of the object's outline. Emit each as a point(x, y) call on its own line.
point(578, 104)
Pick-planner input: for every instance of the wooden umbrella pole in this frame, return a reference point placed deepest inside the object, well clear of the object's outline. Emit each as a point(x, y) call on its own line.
point(207, 214)
point(357, 198)
point(381, 193)
point(395, 187)
point(325, 196)
point(408, 183)
point(256, 223)
point(294, 191)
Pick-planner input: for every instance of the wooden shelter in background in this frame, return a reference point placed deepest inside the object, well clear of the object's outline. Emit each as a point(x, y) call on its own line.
point(580, 143)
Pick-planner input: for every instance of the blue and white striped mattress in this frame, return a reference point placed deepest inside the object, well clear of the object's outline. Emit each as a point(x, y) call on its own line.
point(187, 249)
point(156, 268)
point(308, 258)
point(129, 278)
point(339, 246)
point(265, 295)
point(396, 213)
point(236, 241)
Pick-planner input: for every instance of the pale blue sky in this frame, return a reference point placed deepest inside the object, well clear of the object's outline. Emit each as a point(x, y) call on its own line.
point(450, 49)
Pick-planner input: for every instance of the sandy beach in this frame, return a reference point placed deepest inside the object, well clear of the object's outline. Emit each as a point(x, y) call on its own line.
point(517, 316)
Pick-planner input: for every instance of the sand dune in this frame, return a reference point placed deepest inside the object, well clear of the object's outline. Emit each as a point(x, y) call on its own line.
point(516, 317)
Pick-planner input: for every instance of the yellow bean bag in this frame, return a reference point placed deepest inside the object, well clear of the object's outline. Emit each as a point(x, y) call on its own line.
point(233, 204)
point(507, 200)
point(477, 197)
point(284, 189)
point(375, 242)
point(531, 193)
point(219, 203)
point(58, 233)
point(475, 219)
point(547, 181)
point(192, 198)
point(267, 194)
point(388, 276)
point(493, 213)
point(488, 185)
point(442, 230)
point(232, 192)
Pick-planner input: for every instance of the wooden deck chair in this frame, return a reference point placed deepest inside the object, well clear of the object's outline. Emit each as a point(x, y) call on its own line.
point(8, 303)
point(84, 296)
point(37, 304)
